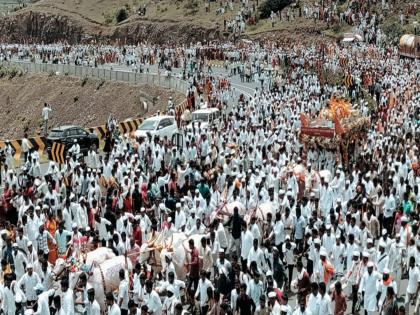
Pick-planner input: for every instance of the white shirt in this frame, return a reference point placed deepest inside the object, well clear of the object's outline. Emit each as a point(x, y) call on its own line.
point(258, 257)
point(202, 290)
point(153, 302)
point(413, 280)
point(246, 243)
point(177, 285)
point(45, 112)
point(29, 282)
point(169, 305)
point(288, 253)
point(43, 303)
point(255, 290)
point(325, 305)
point(93, 308)
point(114, 309)
point(123, 294)
point(8, 300)
point(278, 233)
point(67, 302)
point(313, 303)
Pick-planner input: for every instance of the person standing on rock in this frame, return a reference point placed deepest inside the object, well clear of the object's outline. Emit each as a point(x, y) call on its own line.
point(45, 115)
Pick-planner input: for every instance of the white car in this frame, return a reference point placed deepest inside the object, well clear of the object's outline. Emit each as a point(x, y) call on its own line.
point(159, 126)
point(206, 117)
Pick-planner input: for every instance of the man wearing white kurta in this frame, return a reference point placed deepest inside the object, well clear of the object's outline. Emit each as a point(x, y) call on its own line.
point(382, 258)
point(387, 281)
point(67, 301)
point(368, 286)
point(28, 281)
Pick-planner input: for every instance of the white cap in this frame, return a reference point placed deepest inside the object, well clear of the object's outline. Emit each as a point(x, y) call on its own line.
point(404, 219)
point(29, 243)
point(382, 244)
point(221, 250)
point(29, 266)
point(74, 225)
point(365, 254)
point(370, 264)
point(317, 241)
point(269, 273)
point(323, 253)
point(369, 241)
point(15, 245)
point(384, 231)
point(386, 271)
point(178, 205)
point(328, 226)
point(356, 253)
point(272, 295)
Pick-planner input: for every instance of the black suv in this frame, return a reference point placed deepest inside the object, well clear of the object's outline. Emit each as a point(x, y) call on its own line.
point(67, 134)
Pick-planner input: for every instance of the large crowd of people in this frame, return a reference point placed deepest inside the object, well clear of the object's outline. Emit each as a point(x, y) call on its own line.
point(224, 224)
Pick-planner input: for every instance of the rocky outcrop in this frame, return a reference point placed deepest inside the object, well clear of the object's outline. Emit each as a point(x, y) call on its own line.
point(164, 32)
point(39, 27)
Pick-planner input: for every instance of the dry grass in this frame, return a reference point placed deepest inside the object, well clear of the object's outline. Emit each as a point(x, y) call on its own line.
point(101, 11)
point(21, 102)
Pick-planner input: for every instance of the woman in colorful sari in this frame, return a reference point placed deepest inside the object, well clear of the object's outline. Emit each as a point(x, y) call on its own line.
point(51, 226)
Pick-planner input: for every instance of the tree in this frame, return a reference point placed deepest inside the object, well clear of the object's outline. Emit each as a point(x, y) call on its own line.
point(272, 6)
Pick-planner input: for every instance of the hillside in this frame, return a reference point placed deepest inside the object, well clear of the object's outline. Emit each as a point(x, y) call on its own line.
point(83, 102)
point(166, 21)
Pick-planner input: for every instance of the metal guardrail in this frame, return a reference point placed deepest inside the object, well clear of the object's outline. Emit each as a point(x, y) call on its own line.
point(169, 82)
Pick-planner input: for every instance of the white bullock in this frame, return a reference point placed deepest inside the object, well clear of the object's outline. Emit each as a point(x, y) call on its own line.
point(103, 277)
point(99, 255)
point(225, 211)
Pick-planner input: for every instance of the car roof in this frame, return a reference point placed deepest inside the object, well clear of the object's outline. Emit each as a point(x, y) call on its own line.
point(65, 127)
point(160, 117)
point(206, 110)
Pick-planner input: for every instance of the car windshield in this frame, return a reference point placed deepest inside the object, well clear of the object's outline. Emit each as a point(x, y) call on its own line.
point(203, 117)
point(56, 133)
point(148, 125)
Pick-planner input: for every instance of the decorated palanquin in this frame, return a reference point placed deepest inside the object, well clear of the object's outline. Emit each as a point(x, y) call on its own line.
point(336, 127)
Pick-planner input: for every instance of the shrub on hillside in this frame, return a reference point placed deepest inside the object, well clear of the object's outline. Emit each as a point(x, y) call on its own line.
point(272, 5)
point(191, 6)
point(121, 15)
